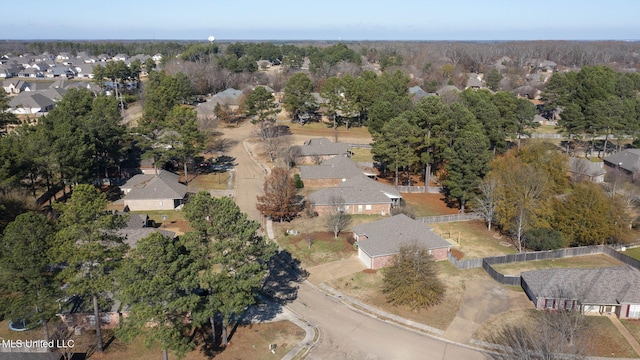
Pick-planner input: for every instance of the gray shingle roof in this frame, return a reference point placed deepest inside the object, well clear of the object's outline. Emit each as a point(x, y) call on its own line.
point(586, 167)
point(610, 285)
point(322, 147)
point(357, 190)
point(387, 236)
point(628, 159)
point(30, 100)
point(165, 185)
point(337, 167)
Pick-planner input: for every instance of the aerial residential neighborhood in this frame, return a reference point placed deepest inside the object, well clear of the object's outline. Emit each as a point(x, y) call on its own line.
point(319, 199)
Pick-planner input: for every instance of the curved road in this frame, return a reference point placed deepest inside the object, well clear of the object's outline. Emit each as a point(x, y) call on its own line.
point(345, 333)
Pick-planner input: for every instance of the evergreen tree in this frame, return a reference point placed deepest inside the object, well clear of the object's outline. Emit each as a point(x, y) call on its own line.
point(297, 95)
point(413, 280)
point(25, 265)
point(156, 281)
point(88, 243)
point(467, 163)
point(231, 259)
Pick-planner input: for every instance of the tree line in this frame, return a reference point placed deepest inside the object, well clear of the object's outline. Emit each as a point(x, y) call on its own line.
point(201, 281)
point(596, 101)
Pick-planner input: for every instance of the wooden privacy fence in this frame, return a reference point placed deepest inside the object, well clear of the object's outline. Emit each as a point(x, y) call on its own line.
point(486, 263)
point(419, 189)
point(450, 218)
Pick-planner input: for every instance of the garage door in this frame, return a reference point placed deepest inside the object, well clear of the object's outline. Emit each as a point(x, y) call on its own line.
point(364, 258)
point(634, 311)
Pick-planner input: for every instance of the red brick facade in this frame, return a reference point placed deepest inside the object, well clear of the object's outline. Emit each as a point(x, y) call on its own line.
point(354, 209)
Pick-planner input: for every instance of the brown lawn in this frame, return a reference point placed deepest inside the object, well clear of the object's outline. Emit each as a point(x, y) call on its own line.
point(633, 326)
point(424, 204)
point(366, 287)
point(214, 180)
point(473, 239)
point(324, 247)
point(248, 342)
point(603, 338)
point(318, 129)
point(581, 262)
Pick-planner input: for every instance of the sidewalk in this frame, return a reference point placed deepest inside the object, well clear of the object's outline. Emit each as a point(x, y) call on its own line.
point(627, 335)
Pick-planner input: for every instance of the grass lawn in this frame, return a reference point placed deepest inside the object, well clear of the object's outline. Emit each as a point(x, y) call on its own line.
point(318, 129)
point(424, 204)
point(214, 180)
point(634, 253)
point(473, 239)
point(545, 129)
point(633, 326)
point(366, 288)
point(604, 340)
point(361, 155)
point(582, 262)
point(175, 220)
point(324, 248)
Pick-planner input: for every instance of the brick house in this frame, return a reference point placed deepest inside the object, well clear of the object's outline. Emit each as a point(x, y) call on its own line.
point(146, 192)
point(627, 161)
point(610, 290)
point(379, 241)
point(320, 149)
point(358, 195)
point(331, 172)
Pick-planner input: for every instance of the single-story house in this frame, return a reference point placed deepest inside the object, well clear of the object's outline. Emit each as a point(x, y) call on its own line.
point(583, 169)
point(317, 150)
point(627, 160)
point(27, 103)
point(474, 81)
point(331, 172)
point(138, 228)
point(358, 195)
point(379, 241)
point(146, 192)
point(610, 290)
point(417, 92)
point(15, 86)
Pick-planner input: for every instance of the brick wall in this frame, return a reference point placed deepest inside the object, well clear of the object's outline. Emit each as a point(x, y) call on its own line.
point(382, 262)
point(440, 254)
point(376, 209)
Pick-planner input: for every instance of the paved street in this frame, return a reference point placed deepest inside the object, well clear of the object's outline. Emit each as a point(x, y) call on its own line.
point(348, 334)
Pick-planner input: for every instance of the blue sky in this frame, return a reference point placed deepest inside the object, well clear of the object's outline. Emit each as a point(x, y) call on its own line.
point(322, 20)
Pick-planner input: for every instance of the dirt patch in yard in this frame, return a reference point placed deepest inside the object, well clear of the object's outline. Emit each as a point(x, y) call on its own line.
point(581, 262)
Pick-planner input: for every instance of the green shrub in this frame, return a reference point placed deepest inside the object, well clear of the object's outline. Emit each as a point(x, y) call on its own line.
point(298, 180)
point(544, 239)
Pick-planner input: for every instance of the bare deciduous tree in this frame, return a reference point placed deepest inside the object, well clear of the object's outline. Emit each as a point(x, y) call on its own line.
point(553, 334)
point(485, 203)
point(337, 220)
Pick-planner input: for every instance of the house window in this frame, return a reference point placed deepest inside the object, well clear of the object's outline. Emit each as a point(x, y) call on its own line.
point(634, 311)
point(549, 303)
point(359, 208)
point(569, 304)
point(367, 207)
